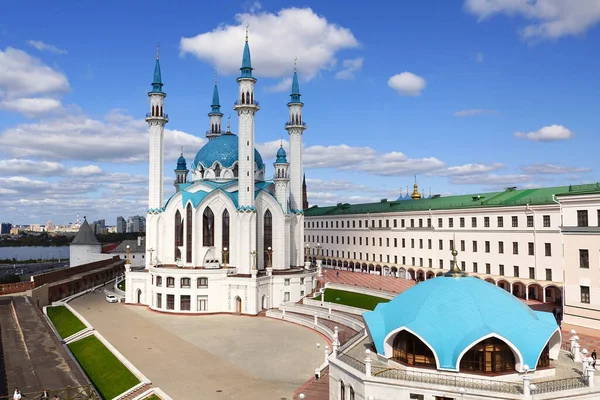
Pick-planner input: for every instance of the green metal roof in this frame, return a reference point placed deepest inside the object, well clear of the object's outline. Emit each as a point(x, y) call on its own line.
point(506, 198)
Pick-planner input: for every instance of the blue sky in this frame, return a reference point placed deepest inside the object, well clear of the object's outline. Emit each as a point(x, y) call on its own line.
point(469, 95)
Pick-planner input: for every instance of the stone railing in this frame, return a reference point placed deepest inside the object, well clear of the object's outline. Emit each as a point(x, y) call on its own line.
point(352, 362)
point(323, 314)
point(384, 294)
point(300, 320)
point(352, 340)
point(333, 306)
point(558, 385)
point(487, 385)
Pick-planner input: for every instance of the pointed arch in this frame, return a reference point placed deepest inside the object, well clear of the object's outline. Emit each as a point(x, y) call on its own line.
point(243, 98)
point(161, 113)
point(217, 170)
point(235, 170)
point(188, 234)
point(208, 228)
point(252, 98)
point(225, 236)
point(152, 113)
point(178, 235)
point(267, 235)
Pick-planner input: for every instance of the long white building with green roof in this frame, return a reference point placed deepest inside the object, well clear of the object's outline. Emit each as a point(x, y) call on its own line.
point(539, 244)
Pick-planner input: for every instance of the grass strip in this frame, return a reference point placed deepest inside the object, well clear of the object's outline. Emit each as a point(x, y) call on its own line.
point(353, 299)
point(65, 322)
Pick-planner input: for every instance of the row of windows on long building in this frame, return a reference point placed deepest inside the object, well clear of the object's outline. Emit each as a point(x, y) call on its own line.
point(208, 232)
point(582, 221)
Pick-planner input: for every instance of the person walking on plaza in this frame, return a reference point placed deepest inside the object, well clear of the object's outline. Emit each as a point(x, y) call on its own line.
point(45, 395)
point(594, 356)
point(17, 394)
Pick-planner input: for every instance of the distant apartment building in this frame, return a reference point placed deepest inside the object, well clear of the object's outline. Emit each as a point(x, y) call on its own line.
point(136, 223)
point(121, 225)
point(5, 228)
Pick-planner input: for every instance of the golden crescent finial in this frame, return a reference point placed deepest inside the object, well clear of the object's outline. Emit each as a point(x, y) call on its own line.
point(247, 25)
point(215, 78)
point(157, 48)
point(295, 60)
point(181, 150)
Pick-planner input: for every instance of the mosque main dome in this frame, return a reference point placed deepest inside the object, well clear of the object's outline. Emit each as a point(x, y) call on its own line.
point(223, 149)
point(451, 314)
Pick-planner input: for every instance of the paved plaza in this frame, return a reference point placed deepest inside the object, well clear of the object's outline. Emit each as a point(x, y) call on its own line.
point(211, 356)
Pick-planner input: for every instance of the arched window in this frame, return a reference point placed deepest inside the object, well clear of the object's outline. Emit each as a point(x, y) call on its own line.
point(252, 98)
point(409, 349)
point(178, 235)
point(544, 360)
point(342, 391)
point(201, 171)
point(161, 113)
point(225, 235)
point(208, 228)
point(490, 356)
point(351, 394)
point(267, 236)
point(153, 114)
point(235, 171)
point(243, 98)
point(217, 170)
point(188, 234)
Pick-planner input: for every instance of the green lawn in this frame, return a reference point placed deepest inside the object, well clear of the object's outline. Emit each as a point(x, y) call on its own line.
point(352, 299)
point(153, 397)
point(106, 372)
point(64, 321)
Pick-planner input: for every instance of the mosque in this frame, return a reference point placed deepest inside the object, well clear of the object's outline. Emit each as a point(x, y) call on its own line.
point(228, 239)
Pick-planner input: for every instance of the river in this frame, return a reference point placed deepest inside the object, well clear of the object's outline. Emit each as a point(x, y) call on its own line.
point(34, 252)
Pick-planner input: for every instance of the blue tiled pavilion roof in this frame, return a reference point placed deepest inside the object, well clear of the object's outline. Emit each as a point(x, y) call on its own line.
point(223, 149)
point(451, 313)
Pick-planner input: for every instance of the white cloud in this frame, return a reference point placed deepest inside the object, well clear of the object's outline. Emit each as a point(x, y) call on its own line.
point(275, 39)
point(549, 18)
point(86, 171)
point(333, 184)
point(474, 111)
point(349, 68)
point(117, 138)
point(479, 57)
point(32, 107)
point(366, 159)
point(490, 179)
point(407, 84)
point(549, 133)
point(41, 46)
point(469, 169)
point(284, 84)
point(24, 75)
point(544, 168)
point(268, 150)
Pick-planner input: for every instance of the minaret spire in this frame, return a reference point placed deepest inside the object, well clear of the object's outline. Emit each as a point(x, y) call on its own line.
point(215, 116)
point(295, 127)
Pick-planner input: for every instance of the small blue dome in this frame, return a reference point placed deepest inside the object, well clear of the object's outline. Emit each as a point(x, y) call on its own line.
point(181, 164)
point(223, 149)
point(452, 314)
point(281, 156)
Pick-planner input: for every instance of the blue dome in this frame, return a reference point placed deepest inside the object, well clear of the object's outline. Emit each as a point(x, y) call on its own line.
point(223, 149)
point(181, 164)
point(452, 314)
point(281, 156)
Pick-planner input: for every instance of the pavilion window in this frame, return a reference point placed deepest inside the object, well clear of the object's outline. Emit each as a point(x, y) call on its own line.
point(544, 360)
point(267, 235)
point(188, 231)
point(490, 356)
point(208, 228)
point(408, 349)
point(178, 235)
point(225, 235)
point(217, 170)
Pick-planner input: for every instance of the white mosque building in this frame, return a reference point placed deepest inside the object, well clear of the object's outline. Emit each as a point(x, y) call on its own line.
point(227, 240)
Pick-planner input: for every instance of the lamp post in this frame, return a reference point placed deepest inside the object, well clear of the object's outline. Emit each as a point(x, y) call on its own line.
point(224, 256)
point(301, 396)
point(462, 392)
point(127, 251)
point(253, 254)
point(269, 253)
point(307, 252)
point(532, 389)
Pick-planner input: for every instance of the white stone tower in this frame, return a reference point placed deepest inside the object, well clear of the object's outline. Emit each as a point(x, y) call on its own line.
point(156, 119)
point(215, 116)
point(246, 107)
point(295, 127)
point(282, 179)
point(181, 171)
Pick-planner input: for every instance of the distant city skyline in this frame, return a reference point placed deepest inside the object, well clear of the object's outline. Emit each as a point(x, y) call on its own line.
point(469, 96)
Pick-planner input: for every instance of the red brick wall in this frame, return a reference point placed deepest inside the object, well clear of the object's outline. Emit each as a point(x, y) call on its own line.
point(85, 281)
point(54, 276)
point(8, 288)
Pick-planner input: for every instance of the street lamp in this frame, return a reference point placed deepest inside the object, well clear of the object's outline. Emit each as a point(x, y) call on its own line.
point(269, 253)
point(224, 257)
point(462, 392)
point(318, 250)
point(301, 396)
point(127, 251)
point(532, 389)
point(307, 252)
point(253, 254)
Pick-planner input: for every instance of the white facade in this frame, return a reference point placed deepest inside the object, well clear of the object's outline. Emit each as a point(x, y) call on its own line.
point(225, 240)
point(80, 254)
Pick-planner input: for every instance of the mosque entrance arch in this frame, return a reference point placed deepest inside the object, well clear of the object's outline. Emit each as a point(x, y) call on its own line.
point(238, 304)
point(264, 302)
point(139, 296)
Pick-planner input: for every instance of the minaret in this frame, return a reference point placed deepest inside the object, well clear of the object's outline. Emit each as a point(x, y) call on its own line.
point(304, 194)
point(156, 119)
point(295, 127)
point(181, 171)
point(281, 178)
point(246, 108)
point(215, 115)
